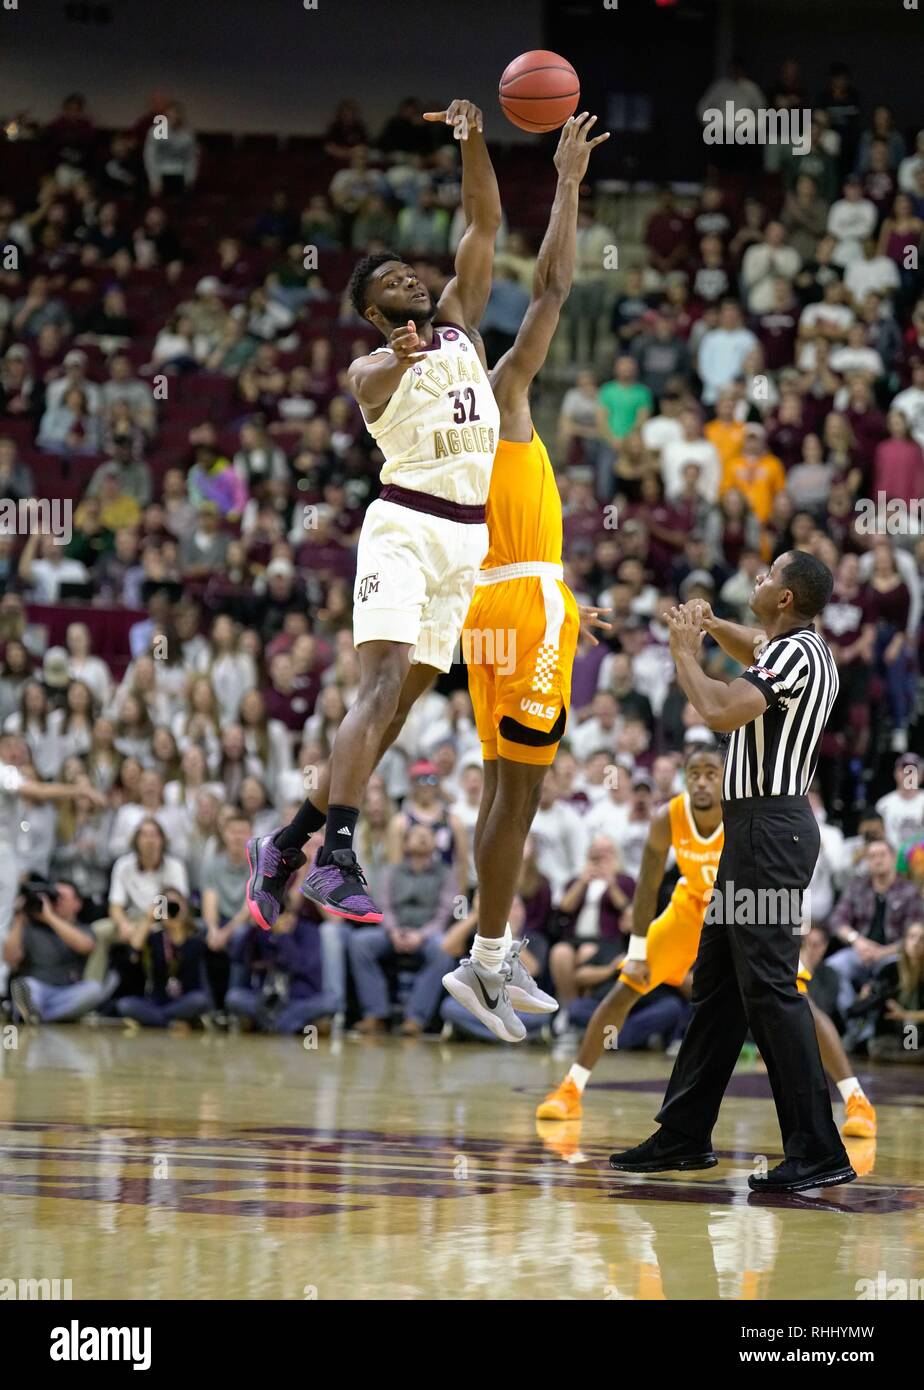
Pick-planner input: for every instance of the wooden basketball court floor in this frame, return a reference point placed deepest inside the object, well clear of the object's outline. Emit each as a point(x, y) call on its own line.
point(217, 1167)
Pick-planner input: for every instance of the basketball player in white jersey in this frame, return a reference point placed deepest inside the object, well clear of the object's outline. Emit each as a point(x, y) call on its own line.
point(427, 401)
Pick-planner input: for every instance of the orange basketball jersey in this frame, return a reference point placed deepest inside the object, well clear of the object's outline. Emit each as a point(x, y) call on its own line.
point(523, 509)
point(697, 858)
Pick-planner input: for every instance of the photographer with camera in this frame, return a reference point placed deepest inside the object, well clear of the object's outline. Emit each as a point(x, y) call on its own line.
point(14, 784)
point(171, 955)
point(47, 947)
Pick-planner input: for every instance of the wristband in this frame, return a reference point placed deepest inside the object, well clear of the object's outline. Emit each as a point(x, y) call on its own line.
point(638, 948)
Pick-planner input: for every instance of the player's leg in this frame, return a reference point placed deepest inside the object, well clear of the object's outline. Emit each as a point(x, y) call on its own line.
point(564, 1103)
point(275, 857)
point(672, 946)
point(860, 1114)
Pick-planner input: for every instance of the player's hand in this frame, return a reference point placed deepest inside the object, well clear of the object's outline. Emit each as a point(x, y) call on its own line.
point(686, 632)
point(590, 619)
point(638, 971)
point(463, 116)
point(406, 344)
point(575, 145)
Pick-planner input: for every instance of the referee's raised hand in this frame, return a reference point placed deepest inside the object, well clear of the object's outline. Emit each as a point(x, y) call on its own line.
point(686, 629)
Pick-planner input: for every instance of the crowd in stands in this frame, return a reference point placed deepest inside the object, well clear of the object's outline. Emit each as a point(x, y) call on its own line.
point(175, 367)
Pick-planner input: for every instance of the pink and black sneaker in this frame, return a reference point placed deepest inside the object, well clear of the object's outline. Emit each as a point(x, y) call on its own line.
point(271, 870)
point(339, 886)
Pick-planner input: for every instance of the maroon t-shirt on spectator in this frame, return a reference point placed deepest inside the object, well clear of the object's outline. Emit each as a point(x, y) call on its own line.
point(777, 334)
point(292, 709)
point(786, 442)
point(846, 615)
point(892, 607)
point(869, 429)
point(666, 231)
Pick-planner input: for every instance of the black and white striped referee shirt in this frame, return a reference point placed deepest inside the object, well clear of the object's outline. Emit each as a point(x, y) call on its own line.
point(776, 754)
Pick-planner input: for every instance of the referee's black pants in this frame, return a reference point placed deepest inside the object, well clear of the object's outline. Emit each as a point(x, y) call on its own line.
point(745, 976)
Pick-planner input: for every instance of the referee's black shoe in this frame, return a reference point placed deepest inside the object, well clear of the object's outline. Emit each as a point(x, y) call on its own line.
point(662, 1154)
point(800, 1175)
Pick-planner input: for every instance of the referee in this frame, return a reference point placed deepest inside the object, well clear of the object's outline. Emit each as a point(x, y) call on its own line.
point(745, 974)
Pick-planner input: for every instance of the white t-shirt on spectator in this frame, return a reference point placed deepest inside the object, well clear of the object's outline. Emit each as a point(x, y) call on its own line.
point(851, 224)
point(911, 404)
point(902, 816)
point(47, 578)
point(840, 315)
point(659, 432)
point(135, 889)
point(560, 840)
point(673, 457)
point(878, 275)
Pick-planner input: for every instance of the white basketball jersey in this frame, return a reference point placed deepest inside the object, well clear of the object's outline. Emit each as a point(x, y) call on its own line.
point(440, 429)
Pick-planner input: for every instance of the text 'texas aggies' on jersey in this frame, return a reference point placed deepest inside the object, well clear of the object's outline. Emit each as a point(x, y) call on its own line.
point(440, 429)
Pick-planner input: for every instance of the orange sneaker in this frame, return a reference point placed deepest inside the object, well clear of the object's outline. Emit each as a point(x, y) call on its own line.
point(564, 1103)
point(860, 1122)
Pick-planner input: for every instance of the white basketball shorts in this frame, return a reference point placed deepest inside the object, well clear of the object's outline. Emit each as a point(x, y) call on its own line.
point(415, 575)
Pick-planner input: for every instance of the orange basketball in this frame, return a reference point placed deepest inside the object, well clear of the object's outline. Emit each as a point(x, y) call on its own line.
point(539, 90)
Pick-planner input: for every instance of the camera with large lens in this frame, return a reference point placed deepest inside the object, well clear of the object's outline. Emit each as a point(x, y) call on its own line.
point(33, 890)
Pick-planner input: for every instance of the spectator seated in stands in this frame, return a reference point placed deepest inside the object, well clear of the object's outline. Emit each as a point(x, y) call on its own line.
point(167, 952)
point(47, 947)
point(889, 1012)
point(592, 917)
point(869, 920)
point(277, 977)
point(416, 905)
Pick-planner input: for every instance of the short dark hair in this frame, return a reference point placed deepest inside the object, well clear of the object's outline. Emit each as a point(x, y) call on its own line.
point(360, 278)
point(810, 580)
point(702, 750)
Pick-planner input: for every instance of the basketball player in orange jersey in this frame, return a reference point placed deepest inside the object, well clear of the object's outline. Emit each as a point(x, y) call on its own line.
point(426, 400)
point(664, 951)
point(522, 627)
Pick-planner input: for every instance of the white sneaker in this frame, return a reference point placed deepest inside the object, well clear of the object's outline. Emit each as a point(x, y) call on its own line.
point(525, 994)
point(484, 993)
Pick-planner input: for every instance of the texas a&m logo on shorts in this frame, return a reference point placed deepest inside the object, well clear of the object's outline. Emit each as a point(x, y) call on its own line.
point(367, 586)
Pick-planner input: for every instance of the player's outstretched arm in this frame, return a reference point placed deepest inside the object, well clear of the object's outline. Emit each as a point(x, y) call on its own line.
point(654, 859)
point(554, 265)
point(374, 379)
point(464, 298)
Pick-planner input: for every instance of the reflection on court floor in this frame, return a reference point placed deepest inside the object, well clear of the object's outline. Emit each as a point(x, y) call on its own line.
point(224, 1167)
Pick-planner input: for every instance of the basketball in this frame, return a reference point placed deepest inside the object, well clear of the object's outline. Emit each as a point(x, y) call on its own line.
point(539, 90)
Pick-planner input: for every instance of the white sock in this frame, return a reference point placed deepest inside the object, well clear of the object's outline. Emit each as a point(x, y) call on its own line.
point(507, 938)
point(848, 1086)
point(489, 951)
point(579, 1075)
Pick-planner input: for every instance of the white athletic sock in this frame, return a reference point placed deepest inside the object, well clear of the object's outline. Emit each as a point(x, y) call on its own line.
point(579, 1075)
point(489, 951)
point(848, 1086)
point(507, 938)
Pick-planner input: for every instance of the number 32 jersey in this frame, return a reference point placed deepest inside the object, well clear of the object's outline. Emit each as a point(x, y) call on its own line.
point(440, 429)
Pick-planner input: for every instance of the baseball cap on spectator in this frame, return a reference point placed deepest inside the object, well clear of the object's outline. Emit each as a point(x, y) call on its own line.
point(909, 760)
point(54, 668)
point(209, 284)
point(642, 779)
point(16, 352)
point(280, 568)
point(424, 771)
point(580, 473)
point(635, 623)
point(697, 579)
point(75, 358)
